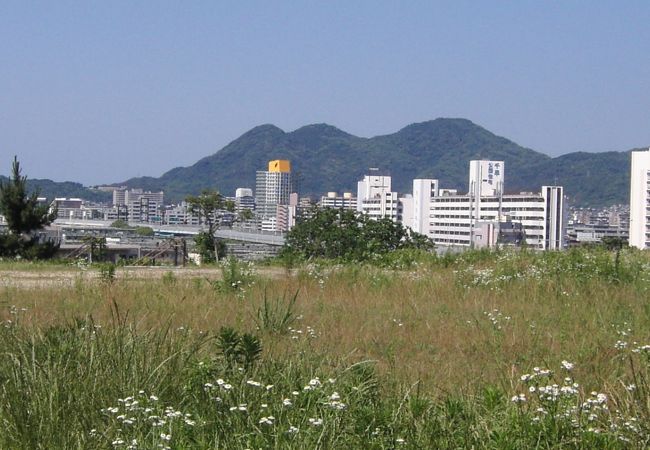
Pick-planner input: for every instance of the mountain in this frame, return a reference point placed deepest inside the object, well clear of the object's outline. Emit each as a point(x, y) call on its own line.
point(51, 189)
point(589, 179)
point(325, 158)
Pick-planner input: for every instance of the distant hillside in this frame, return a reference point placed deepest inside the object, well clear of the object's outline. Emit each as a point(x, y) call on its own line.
point(590, 179)
point(51, 189)
point(325, 158)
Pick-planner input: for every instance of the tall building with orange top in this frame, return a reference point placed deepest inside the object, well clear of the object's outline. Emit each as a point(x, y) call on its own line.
point(272, 188)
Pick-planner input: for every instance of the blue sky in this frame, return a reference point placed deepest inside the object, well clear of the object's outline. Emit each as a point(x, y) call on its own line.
point(99, 92)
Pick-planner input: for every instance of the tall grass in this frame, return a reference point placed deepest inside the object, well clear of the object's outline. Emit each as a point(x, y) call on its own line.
point(482, 350)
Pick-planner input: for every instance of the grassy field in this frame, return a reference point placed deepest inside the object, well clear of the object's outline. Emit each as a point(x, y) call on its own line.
point(482, 350)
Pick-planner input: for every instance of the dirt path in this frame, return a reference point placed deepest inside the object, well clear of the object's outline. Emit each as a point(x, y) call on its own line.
point(26, 279)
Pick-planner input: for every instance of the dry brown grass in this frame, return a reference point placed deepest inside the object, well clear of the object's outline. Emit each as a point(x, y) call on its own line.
point(418, 326)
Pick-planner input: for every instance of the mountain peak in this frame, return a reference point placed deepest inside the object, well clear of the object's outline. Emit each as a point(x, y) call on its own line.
point(457, 124)
point(320, 129)
point(267, 129)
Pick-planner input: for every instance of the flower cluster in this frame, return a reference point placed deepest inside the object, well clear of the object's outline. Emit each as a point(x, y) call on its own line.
point(317, 272)
point(496, 318)
point(547, 399)
point(140, 415)
point(309, 332)
point(269, 408)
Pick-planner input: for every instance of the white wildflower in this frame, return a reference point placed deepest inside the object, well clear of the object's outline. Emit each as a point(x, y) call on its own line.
point(266, 420)
point(518, 398)
point(566, 365)
point(315, 421)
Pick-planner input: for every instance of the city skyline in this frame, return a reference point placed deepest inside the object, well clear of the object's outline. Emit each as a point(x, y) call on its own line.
point(88, 87)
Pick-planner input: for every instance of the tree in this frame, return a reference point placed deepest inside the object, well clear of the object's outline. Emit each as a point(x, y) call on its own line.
point(22, 212)
point(120, 223)
point(144, 231)
point(344, 234)
point(211, 207)
point(96, 248)
point(245, 215)
point(24, 215)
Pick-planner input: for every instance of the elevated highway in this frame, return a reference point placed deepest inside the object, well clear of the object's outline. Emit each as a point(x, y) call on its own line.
point(255, 237)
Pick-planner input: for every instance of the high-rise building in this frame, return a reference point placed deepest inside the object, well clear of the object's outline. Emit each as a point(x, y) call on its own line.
point(423, 191)
point(272, 188)
point(119, 196)
point(640, 199)
point(144, 206)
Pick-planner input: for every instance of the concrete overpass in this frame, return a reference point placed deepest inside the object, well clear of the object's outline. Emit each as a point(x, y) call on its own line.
point(256, 237)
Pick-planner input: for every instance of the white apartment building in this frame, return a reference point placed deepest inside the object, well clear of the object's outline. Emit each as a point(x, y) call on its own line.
point(285, 217)
point(244, 200)
point(375, 198)
point(269, 225)
point(423, 191)
point(333, 200)
point(180, 215)
point(119, 196)
point(140, 206)
point(146, 207)
point(75, 209)
point(640, 200)
point(68, 208)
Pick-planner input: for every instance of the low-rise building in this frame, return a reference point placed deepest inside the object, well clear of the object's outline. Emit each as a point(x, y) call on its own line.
point(333, 200)
point(580, 234)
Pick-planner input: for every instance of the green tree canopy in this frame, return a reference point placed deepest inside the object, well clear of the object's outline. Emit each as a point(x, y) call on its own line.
point(120, 223)
point(344, 234)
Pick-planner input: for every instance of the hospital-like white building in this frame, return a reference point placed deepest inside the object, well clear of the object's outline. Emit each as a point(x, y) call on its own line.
point(481, 217)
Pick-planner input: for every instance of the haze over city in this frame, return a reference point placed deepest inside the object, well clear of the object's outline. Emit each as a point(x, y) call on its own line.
point(99, 93)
